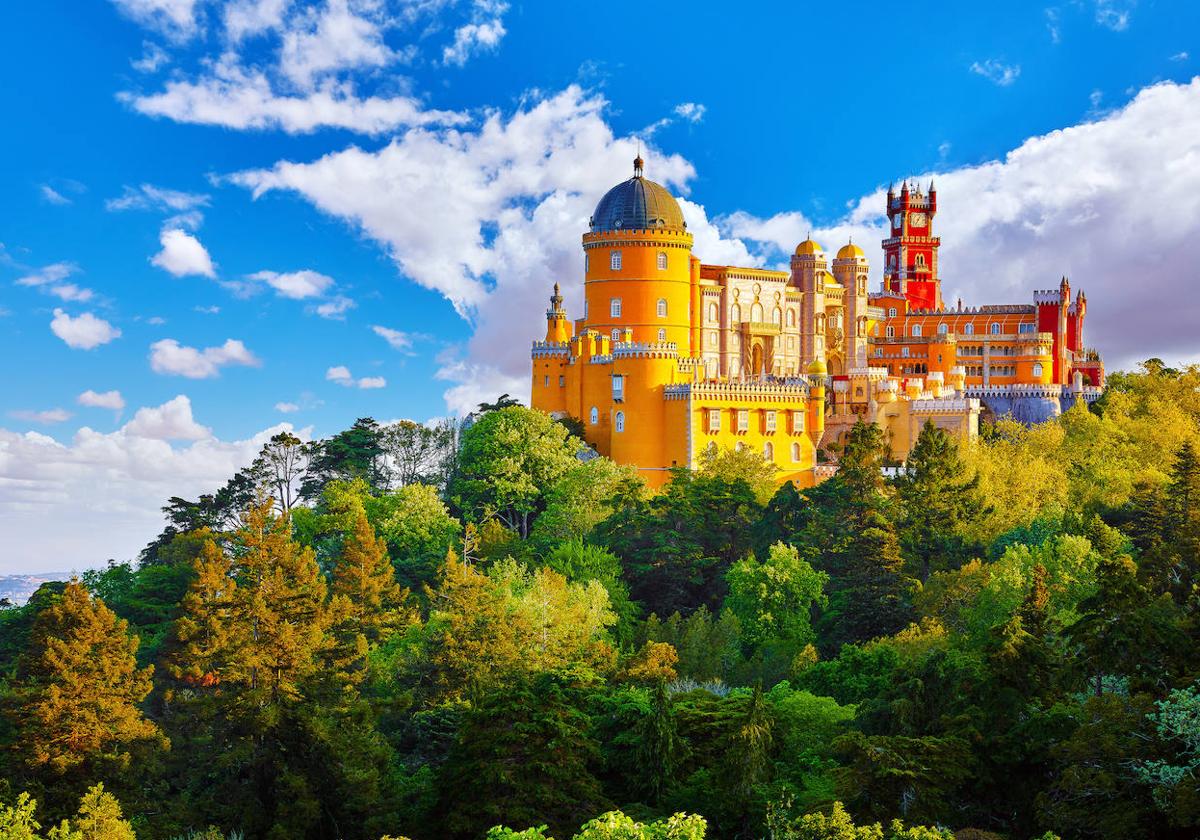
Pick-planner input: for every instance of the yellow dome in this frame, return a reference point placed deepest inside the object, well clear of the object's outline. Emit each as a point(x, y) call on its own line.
point(850, 251)
point(818, 368)
point(808, 248)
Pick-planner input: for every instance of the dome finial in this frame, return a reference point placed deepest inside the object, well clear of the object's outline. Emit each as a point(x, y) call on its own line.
point(638, 163)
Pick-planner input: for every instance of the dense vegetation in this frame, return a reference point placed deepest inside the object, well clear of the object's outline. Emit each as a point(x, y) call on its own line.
point(433, 633)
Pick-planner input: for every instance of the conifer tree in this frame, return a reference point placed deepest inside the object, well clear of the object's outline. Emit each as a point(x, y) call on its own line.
point(660, 749)
point(79, 694)
point(363, 574)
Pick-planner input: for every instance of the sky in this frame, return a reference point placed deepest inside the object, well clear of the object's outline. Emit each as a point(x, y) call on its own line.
point(224, 218)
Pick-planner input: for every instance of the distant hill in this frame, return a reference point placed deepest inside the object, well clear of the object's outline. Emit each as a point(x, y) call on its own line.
point(17, 588)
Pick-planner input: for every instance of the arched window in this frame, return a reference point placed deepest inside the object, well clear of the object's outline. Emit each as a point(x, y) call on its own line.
point(891, 312)
point(769, 451)
point(795, 452)
point(662, 307)
point(614, 261)
point(712, 312)
point(943, 328)
point(620, 421)
point(891, 332)
point(662, 260)
point(616, 335)
point(735, 314)
point(968, 329)
point(614, 308)
point(712, 339)
point(916, 330)
point(777, 316)
point(921, 260)
point(1037, 369)
point(791, 318)
point(662, 335)
point(595, 415)
point(756, 313)
point(995, 328)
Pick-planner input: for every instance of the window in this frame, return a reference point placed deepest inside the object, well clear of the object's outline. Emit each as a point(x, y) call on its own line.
point(712, 339)
point(916, 330)
point(969, 329)
point(546, 381)
point(662, 336)
point(614, 261)
point(587, 263)
point(662, 308)
point(1037, 369)
point(618, 388)
point(943, 328)
point(662, 260)
point(620, 421)
point(743, 420)
point(891, 332)
point(777, 316)
point(768, 451)
point(904, 351)
point(714, 420)
point(921, 260)
point(1027, 328)
point(595, 415)
point(735, 314)
point(995, 328)
point(562, 381)
point(770, 418)
point(614, 308)
point(585, 310)
point(791, 318)
point(616, 335)
point(712, 312)
point(795, 452)
point(891, 312)
point(791, 342)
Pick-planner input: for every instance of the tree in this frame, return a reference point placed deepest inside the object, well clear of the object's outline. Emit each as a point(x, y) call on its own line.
point(79, 692)
point(773, 599)
point(419, 531)
point(363, 575)
point(99, 818)
point(936, 499)
point(660, 749)
point(354, 453)
point(418, 452)
point(583, 496)
point(280, 464)
point(732, 465)
point(508, 458)
point(838, 825)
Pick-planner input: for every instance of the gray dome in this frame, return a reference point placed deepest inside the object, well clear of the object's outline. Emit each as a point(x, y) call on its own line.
point(637, 204)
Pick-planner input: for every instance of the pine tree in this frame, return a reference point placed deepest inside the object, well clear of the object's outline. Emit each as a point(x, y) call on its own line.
point(364, 575)
point(660, 749)
point(79, 693)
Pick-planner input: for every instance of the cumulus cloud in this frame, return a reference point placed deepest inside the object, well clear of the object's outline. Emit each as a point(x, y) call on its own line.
point(170, 421)
point(182, 254)
point(102, 399)
point(996, 71)
point(97, 496)
point(152, 59)
point(480, 35)
point(170, 357)
point(335, 308)
point(286, 407)
point(83, 332)
point(692, 112)
point(53, 415)
point(341, 375)
point(173, 18)
point(297, 285)
point(1114, 14)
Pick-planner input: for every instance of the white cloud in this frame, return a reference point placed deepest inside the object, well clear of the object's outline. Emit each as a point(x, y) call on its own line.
point(150, 197)
point(170, 357)
point(156, 321)
point(98, 495)
point(286, 407)
point(49, 280)
point(174, 18)
point(341, 375)
point(332, 38)
point(182, 254)
point(170, 421)
point(207, 310)
point(153, 58)
point(335, 308)
point(398, 340)
point(692, 112)
point(1180, 56)
point(480, 35)
point(83, 332)
point(296, 285)
point(102, 399)
point(1052, 25)
point(996, 71)
point(53, 196)
point(53, 415)
point(1114, 14)
point(248, 18)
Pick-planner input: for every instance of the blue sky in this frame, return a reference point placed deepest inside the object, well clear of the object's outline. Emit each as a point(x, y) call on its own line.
point(223, 216)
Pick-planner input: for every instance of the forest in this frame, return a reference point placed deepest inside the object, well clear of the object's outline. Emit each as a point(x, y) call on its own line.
point(483, 630)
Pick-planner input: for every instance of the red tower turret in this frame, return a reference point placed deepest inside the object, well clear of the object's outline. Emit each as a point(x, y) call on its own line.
point(910, 254)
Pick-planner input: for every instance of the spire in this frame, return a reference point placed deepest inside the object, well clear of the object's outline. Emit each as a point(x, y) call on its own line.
point(904, 188)
point(932, 188)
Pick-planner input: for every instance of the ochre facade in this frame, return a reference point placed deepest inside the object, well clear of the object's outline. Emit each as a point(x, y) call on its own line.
point(673, 356)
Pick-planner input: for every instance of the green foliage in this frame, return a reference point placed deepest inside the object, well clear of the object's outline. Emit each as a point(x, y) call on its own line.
point(838, 825)
point(773, 599)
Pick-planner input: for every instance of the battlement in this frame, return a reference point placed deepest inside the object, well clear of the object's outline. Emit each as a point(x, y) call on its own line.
point(790, 390)
point(1015, 390)
point(550, 349)
point(945, 405)
point(645, 350)
point(871, 373)
point(1042, 297)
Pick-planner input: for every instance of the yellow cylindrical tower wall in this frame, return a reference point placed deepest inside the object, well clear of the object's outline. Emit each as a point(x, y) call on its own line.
point(642, 440)
point(549, 383)
point(695, 313)
point(649, 272)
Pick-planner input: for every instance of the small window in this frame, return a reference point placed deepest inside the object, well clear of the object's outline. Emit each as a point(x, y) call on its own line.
point(795, 453)
point(943, 328)
point(614, 261)
point(712, 339)
point(662, 260)
point(620, 421)
point(546, 381)
point(904, 351)
point(743, 416)
point(777, 316)
point(1027, 328)
point(614, 308)
point(891, 332)
point(1037, 369)
point(916, 330)
point(585, 310)
point(921, 260)
point(618, 391)
point(995, 328)
point(714, 420)
point(662, 336)
point(968, 329)
point(770, 418)
point(768, 451)
point(712, 312)
point(891, 312)
point(562, 380)
point(616, 335)
point(797, 422)
point(662, 307)
point(791, 318)
point(595, 415)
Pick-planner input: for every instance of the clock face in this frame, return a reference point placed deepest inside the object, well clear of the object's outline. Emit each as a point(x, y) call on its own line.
point(918, 220)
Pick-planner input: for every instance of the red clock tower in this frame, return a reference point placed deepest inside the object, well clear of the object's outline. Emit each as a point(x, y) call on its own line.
point(910, 254)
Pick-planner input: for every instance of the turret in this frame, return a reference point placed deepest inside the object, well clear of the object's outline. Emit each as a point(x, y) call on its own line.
point(558, 330)
point(817, 374)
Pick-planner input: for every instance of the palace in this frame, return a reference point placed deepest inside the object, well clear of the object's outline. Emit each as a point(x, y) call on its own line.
point(673, 356)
